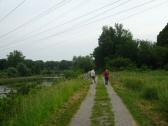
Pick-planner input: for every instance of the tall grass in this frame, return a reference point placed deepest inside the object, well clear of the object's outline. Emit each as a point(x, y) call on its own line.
point(4, 81)
point(149, 88)
point(36, 107)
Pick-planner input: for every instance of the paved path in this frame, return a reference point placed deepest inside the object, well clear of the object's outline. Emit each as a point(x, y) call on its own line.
point(121, 113)
point(82, 117)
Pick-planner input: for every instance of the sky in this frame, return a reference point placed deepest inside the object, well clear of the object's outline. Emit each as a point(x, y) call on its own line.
point(60, 29)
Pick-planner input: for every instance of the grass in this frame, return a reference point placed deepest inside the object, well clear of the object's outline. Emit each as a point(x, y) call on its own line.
point(37, 107)
point(102, 114)
point(63, 116)
point(4, 81)
point(145, 94)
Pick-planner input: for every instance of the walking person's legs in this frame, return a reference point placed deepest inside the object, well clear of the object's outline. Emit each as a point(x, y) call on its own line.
point(106, 81)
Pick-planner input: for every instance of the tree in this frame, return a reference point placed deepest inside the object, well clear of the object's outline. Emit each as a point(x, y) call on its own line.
point(65, 65)
point(84, 63)
point(12, 72)
point(38, 66)
point(14, 58)
point(114, 42)
point(162, 38)
point(23, 69)
point(145, 55)
point(3, 64)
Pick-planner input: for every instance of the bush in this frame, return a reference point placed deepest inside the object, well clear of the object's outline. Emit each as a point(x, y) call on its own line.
point(133, 84)
point(69, 74)
point(150, 93)
point(163, 98)
point(120, 63)
point(12, 72)
point(23, 70)
point(25, 89)
point(166, 67)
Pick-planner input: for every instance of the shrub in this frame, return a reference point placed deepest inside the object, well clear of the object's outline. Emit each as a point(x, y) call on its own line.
point(150, 93)
point(71, 74)
point(163, 98)
point(120, 63)
point(166, 67)
point(23, 69)
point(133, 84)
point(12, 72)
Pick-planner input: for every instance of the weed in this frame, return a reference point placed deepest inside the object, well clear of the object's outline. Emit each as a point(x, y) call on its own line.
point(133, 84)
point(150, 93)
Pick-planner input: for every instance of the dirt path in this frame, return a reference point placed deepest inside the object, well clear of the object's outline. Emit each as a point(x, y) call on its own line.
point(121, 113)
point(82, 117)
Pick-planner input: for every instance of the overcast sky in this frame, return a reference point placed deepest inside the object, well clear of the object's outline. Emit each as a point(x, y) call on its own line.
point(60, 29)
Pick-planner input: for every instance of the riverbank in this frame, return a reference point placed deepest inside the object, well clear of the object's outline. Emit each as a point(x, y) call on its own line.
point(36, 107)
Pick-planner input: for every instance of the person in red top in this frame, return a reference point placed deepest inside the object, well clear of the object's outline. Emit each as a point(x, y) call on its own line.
point(106, 75)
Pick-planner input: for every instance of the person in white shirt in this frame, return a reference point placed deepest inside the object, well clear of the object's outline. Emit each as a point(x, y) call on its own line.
point(93, 75)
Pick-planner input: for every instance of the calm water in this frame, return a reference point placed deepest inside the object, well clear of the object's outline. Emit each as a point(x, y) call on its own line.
point(6, 89)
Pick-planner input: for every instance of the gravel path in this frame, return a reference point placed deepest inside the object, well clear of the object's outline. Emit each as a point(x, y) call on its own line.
point(121, 113)
point(82, 117)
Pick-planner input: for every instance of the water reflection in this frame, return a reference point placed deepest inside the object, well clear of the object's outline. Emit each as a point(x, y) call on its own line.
point(7, 89)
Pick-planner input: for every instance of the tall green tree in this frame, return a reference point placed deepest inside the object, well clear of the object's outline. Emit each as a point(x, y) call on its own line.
point(14, 58)
point(3, 64)
point(114, 42)
point(23, 70)
point(84, 63)
point(162, 38)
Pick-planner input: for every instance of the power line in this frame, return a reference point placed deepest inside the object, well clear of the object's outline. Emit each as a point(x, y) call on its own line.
point(37, 29)
point(44, 13)
point(122, 11)
point(116, 14)
point(143, 11)
point(79, 17)
point(73, 28)
point(140, 12)
point(13, 10)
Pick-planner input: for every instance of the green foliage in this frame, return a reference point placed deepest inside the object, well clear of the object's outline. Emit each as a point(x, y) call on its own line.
point(25, 88)
point(14, 58)
point(119, 63)
point(150, 93)
point(133, 84)
point(166, 67)
point(118, 42)
point(163, 98)
point(63, 65)
point(12, 72)
point(110, 44)
point(3, 64)
point(148, 103)
point(69, 74)
point(84, 63)
point(36, 107)
point(15, 80)
point(23, 70)
point(29, 67)
point(162, 38)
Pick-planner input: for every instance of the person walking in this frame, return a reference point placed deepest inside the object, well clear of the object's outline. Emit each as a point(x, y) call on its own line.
point(93, 75)
point(106, 75)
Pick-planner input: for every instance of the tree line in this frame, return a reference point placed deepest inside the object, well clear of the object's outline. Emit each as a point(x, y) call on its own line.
point(118, 50)
point(17, 65)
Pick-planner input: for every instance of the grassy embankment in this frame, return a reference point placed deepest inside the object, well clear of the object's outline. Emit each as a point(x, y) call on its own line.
point(46, 106)
point(4, 81)
point(145, 94)
point(102, 114)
